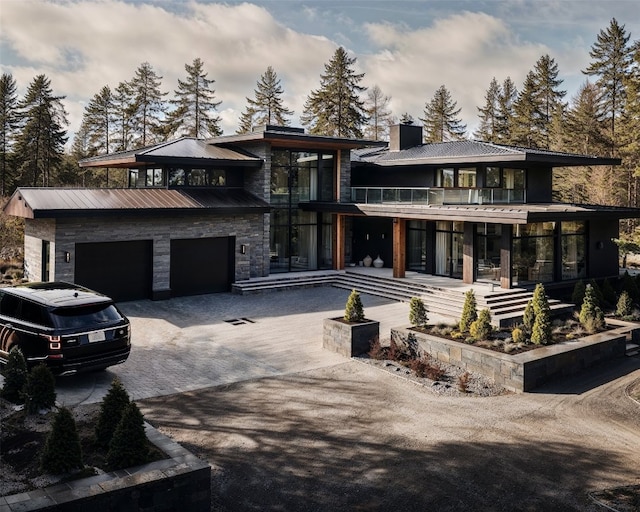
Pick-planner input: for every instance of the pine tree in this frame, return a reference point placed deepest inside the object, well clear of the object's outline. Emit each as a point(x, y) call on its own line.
point(406, 118)
point(378, 113)
point(148, 106)
point(417, 312)
point(506, 114)
point(195, 105)
point(111, 408)
point(547, 96)
point(335, 109)
point(469, 311)
point(128, 446)
point(40, 143)
point(624, 306)
point(124, 105)
point(611, 63)
point(40, 389)
point(489, 114)
point(591, 316)
point(267, 106)
point(525, 130)
point(97, 122)
point(541, 330)
point(62, 451)
point(15, 376)
point(353, 311)
point(440, 121)
point(9, 123)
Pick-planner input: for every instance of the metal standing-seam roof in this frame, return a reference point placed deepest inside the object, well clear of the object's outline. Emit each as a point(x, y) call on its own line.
point(74, 202)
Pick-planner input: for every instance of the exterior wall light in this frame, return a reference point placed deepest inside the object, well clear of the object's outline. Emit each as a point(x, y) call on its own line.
point(243, 249)
point(67, 256)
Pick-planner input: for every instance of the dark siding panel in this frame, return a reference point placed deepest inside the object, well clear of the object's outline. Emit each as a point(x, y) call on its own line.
point(201, 265)
point(121, 270)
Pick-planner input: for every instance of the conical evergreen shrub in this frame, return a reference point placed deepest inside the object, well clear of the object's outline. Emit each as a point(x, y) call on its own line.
point(469, 311)
point(111, 409)
point(578, 293)
point(62, 451)
point(40, 389)
point(528, 318)
point(481, 328)
point(625, 305)
point(541, 332)
point(128, 446)
point(417, 312)
point(608, 294)
point(591, 316)
point(630, 285)
point(353, 311)
point(597, 291)
point(15, 377)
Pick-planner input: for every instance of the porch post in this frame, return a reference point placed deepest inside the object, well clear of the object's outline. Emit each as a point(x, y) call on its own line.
point(467, 252)
point(338, 243)
point(399, 247)
point(505, 256)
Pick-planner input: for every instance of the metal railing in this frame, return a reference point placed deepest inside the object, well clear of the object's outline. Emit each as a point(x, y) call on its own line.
point(436, 196)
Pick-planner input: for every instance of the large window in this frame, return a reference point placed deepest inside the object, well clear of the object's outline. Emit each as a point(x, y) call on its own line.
point(300, 240)
point(449, 245)
point(206, 177)
point(467, 177)
point(416, 245)
point(573, 242)
point(488, 241)
point(533, 253)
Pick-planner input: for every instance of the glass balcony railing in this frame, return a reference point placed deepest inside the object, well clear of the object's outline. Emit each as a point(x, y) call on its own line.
point(436, 196)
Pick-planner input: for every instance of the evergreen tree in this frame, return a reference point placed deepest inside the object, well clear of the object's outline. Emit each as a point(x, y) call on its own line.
point(624, 306)
point(378, 113)
point(267, 106)
point(148, 106)
point(481, 329)
point(62, 451)
point(9, 124)
point(547, 97)
point(525, 131)
point(15, 376)
point(579, 290)
point(40, 143)
point(353, 311)
point(111, 409)
point(528, 318)
point(417, 312)
point(97, 122)
point(335, 108)
point(629, 128)
point(124, 105)
point(195, 105)
point(469, 311)
point(611, 63)
point(40, 389)
point(440, 121)
point(591, 316)
point(541, 330)
point(506, 113)
point(489, 114)
point(406, 118)
point(128, 446)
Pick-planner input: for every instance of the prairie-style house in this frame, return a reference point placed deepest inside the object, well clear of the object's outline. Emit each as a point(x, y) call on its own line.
point(199, 215)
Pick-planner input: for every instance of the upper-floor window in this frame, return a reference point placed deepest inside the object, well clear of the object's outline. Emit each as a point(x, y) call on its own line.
point(206, 177)
point(513, 178)
point(467, 177)
point(449, 177)
point(492, 177)
point(445, 177)
point(154, 178)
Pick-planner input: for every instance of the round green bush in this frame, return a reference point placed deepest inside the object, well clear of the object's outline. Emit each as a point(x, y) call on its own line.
point(518, 336)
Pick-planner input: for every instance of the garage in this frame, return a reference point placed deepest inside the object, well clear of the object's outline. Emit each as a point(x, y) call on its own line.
point(121, 270)
point(202, 265)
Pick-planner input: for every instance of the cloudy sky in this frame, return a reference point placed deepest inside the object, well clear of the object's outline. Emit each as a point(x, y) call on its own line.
point(408, 48)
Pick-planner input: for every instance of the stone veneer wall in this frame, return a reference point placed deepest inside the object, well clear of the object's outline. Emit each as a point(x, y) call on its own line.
point(345, 176)
point(247, 228)
point(528, 370)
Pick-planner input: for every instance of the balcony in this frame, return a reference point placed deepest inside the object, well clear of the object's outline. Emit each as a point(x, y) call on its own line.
point(436, 196)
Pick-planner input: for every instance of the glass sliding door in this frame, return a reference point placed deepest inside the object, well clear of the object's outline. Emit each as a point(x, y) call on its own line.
point(449, 248)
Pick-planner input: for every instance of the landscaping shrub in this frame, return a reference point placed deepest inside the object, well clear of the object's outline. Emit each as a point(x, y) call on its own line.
point(417, 312)
point(128, 446)
point(463, 382)
point(625, 305)
point(630, 285)
point(62, 452)
point(469, 311)
point(354, 311)
point(424, 368)
point(541, 332)
point(111, 409)
point(376, 350)
point(591, 316)
point(518, 336)
point(481, 328)
point(597, 291)
point(608, 293)
point(528, 318)
point(15, 377)
point(578, 293)
point(40, 389)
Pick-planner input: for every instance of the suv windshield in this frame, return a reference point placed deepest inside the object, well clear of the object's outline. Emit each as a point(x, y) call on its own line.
point(85, 316)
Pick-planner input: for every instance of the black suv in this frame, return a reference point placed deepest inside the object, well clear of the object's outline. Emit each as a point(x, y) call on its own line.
point(68, 327)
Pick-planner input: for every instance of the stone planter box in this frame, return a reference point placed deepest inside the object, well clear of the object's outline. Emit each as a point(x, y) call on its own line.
point(181, 482)
point(528, 370)
point(349, 339)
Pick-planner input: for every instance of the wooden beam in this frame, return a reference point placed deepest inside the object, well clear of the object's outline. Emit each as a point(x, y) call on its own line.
point(467, 253)
point(505, 256)
point(399, 247)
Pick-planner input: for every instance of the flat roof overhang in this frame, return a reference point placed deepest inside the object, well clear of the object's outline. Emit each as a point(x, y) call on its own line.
point(552, 160)
point(492, 214)
point(133, 161)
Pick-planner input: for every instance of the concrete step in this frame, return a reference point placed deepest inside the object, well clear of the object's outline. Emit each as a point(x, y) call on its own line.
point(633, 349)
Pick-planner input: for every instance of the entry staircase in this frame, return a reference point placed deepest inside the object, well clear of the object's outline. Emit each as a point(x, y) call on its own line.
point(506, 306)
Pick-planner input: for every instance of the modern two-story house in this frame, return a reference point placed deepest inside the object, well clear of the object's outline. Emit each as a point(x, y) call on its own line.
point(199, 215)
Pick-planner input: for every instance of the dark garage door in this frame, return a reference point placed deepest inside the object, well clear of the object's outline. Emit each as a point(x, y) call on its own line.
point(201, 265)
point(121, 270)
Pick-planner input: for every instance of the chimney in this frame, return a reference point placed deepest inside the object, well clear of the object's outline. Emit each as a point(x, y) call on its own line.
point(405, 136)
